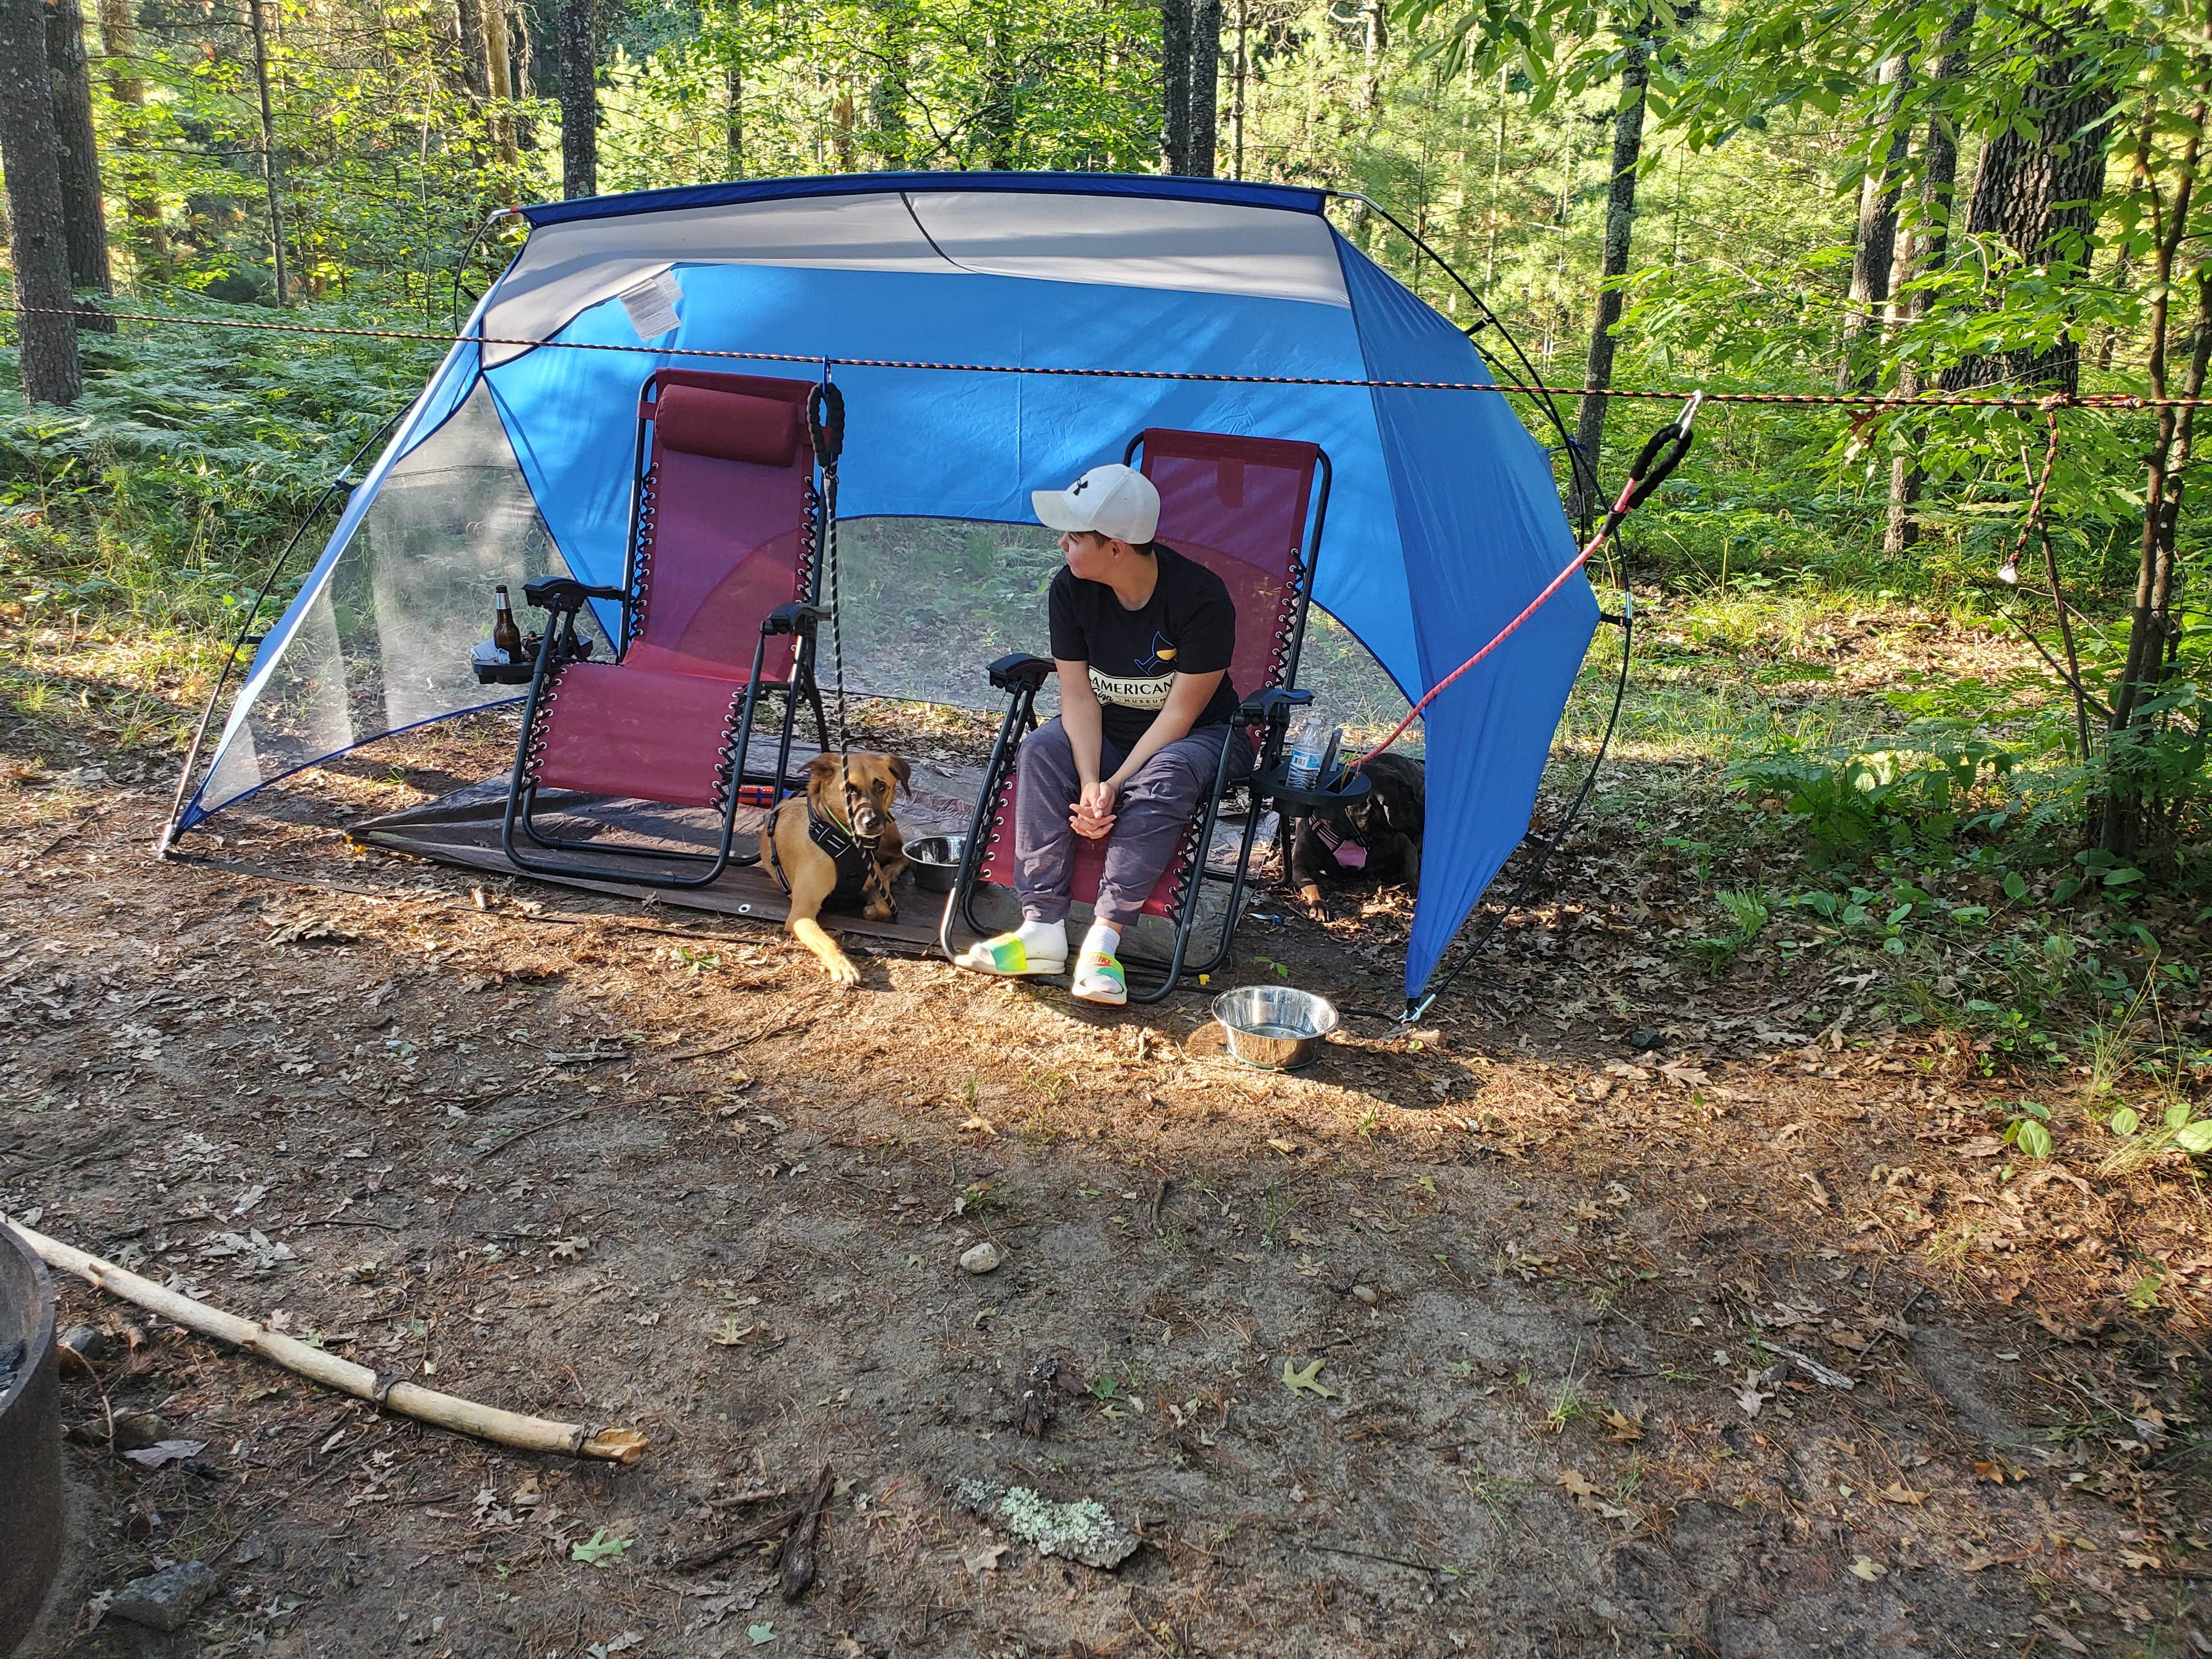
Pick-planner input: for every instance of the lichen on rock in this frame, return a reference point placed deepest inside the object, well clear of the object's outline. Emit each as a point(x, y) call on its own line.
point(1081, 1531)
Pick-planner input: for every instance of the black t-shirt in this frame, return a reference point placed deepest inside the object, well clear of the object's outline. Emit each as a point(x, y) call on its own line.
point(1189, 626)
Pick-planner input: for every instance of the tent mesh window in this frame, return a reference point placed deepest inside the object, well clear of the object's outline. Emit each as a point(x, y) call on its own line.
point(928, 602)
point(384, 641)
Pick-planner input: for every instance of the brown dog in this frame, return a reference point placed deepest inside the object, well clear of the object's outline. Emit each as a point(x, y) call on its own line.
point(839, 845)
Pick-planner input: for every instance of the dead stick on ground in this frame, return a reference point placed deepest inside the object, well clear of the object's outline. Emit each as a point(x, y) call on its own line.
point(798, 1559)
point(541, 1124)
point(443, 1411)
point(775, 1524)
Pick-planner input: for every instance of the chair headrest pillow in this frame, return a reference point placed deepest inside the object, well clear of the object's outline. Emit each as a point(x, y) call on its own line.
point(728, 426)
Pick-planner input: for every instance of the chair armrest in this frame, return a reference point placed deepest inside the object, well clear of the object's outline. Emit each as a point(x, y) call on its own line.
point(796, 617)
point(1262, 707)
point(1020, 671)
point(559, 594)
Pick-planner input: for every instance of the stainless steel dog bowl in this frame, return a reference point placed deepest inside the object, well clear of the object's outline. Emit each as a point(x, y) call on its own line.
point(1272, 1026)
point(936, 861)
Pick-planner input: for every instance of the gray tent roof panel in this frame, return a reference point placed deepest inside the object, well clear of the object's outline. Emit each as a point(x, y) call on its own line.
point(1130, 242)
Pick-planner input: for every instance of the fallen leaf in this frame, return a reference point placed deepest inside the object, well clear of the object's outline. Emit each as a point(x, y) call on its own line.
point(1586, 1497)
point(1287, 1148)
point(1684, 1077)
point(760, 1635)
point(1899, 1493)
point(977, 1121)
point(599, 1548)
point(2060, 1634)
point(1867, 1568)
point(2139, 1560)
point(985, 1559)
point(166, 1451)
point(1982, 1146)
point(1621, 1428)
point(1302, 1382)
point(571, 1249)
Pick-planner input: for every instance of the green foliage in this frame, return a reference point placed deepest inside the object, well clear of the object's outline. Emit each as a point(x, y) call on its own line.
point(2028, 1126)
point(1915, 793)
point(163, 493)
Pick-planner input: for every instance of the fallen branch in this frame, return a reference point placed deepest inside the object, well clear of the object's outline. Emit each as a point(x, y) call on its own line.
point(798, 1559)
point(443, 1411)
point(774, 1526)
point(529, 1130)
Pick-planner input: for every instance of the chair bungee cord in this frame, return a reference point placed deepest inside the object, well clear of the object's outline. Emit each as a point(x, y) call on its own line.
point(1252, 511)
point(734, 493)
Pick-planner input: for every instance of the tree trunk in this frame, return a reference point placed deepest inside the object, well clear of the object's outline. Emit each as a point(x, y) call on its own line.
point(887, 112)
point(1175, 85)
point(1876, 247)
point(1374, 41)
point(1926, 252)
point(119, 39)
point(2040, 194)
point(30, 154)
point(1240, 68)
point(1205, 85)
point(1619, 224)
point(2150, 622)
point(475, 67)
point(995, 119)
point(733, 132)
point(499, 74)
point(522, 74)
point(580, 100)
point(269, 179)
point(1495, 214)
point(83, 217)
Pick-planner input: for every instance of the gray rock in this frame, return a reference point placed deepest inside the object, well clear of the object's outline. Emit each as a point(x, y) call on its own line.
point(87, 1343)
point(981, 1258)
point(135, 1430)
point(163, 1600)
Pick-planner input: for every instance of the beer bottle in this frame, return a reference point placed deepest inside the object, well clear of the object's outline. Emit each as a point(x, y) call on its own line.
point(505, 636)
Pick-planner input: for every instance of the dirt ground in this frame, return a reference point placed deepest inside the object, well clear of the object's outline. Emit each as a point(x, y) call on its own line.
point(1621, 1309)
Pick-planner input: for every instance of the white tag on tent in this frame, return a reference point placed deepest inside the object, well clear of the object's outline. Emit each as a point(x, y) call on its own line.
point(651, 305)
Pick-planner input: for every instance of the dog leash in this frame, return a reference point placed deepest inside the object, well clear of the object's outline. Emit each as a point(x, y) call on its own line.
point(1661, 454)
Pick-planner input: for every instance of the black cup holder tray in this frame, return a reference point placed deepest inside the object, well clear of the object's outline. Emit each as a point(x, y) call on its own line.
point(1274, 785)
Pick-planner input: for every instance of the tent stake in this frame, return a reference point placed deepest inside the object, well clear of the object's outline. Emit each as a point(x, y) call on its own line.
point(444, 1411)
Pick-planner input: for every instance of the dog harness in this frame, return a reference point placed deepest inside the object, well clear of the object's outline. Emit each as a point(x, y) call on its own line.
point(855, 862)
point(1349, 851)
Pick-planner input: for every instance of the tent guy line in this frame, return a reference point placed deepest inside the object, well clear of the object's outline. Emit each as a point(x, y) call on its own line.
point(2100, 401)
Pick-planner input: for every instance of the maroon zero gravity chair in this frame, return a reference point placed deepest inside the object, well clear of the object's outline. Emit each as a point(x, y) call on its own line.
point(728, 527)
point(1248, 509)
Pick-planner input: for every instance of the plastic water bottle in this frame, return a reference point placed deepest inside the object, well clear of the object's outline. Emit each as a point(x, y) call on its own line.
point(1308, 738)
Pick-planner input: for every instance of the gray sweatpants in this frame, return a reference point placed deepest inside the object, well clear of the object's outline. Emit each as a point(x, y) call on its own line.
point(1149, 817)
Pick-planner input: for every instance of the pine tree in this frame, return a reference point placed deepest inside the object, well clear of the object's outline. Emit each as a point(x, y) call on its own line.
point(30, 153)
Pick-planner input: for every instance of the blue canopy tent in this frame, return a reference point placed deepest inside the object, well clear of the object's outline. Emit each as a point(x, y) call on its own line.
point(967, 317)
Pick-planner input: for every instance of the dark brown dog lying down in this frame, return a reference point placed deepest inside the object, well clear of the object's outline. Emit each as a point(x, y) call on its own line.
point(839, 845)
point(1377, 838)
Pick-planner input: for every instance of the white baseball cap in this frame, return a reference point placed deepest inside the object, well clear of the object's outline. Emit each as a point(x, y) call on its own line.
point(1113, 501)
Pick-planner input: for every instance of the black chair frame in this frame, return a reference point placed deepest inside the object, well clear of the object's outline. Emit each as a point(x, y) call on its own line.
point(563, 598)
point(1268, 712)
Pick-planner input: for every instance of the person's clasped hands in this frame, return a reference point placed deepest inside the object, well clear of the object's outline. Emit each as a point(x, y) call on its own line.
point(1092, 814)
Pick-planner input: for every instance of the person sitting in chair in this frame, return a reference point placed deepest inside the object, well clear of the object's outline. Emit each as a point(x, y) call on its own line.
point(1142, 638)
